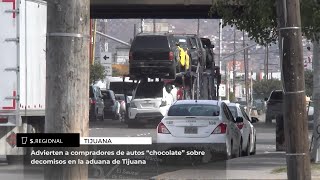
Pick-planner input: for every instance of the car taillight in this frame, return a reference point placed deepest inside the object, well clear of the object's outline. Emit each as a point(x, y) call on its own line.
point(163, 129)
point(220, 129)
point(130, 56)
point(240, 125)
point(171, 56)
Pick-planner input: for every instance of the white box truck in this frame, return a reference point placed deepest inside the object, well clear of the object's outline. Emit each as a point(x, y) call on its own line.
point(23, 28)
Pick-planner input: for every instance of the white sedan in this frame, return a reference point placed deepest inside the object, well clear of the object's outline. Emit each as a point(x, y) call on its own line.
point(247, 129)
point(199, 122)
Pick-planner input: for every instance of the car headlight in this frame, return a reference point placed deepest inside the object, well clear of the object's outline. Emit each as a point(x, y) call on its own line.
point(133, 105)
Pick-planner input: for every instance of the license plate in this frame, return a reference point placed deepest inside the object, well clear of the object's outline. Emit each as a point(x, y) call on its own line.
point(191, 130)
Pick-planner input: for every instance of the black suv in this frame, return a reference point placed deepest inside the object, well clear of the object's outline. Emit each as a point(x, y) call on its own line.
point(208, 46)
point(96, 107)
point(154, 55)
point(274, 105)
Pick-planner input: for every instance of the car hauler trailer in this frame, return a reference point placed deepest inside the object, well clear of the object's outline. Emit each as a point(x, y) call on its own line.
point(22, 71)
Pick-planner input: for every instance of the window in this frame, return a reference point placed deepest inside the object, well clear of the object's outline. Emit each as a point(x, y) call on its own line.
point(194, 110)
point(276, 95)
point(150, 42)
point(149, 90)
point(245, 114)
point(234, 111)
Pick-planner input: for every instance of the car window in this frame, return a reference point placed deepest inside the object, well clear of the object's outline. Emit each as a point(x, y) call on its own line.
point(120, 97)
point(234, 111)
point(183, 41)
point(106, 95)
point(194, 110)
point(193, 42)
point(276, 95)
point(245, 114)
point(149, 90)
point(150, 42)
point(228, 114)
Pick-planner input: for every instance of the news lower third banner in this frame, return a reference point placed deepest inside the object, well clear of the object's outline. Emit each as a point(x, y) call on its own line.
point(74, 140)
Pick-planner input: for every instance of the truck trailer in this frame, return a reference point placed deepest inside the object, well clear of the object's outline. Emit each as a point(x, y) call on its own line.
point(22, 71)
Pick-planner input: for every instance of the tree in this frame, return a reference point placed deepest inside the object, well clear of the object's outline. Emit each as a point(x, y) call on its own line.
point(308, 78)
point(263, 88)
point(97, 72)
point(259, 19)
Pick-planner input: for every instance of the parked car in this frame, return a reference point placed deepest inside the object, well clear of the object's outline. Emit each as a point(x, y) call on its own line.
point(247, 129)
point(111, 105)
point(204, 122)
point(150, 103)
point(96, 104)
point(154, 54)
point(208, 46)
point(274, 105)
point(123, 105)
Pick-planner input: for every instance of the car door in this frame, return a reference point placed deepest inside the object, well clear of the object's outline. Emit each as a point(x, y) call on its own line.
point(235, 132)
point(250, 127)
point(202, 51)
point(246, 126)
point(230, 125)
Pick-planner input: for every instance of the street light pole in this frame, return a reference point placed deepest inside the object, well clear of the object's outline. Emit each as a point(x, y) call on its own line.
point(234, 63)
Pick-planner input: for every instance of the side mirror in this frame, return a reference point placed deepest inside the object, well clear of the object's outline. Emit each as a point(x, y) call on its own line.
point(265, 99)
point(254, 120)
point(239, 120)
point(212, 46)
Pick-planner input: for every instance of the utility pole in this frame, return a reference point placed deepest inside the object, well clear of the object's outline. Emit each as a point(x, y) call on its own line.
point(220, 47)
point(295, 117)
point(267, 57)
point(67, 85)
point(234, 63)
point(141, 25)
point(246, 78)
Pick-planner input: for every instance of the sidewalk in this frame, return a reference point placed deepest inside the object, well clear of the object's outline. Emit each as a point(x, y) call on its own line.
point(262, 166)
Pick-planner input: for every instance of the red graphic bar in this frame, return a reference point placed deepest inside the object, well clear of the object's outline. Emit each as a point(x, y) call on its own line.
point(13, 103)
point(13, 6)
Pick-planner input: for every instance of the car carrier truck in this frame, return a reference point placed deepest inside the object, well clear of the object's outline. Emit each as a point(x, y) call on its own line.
point(22, 71)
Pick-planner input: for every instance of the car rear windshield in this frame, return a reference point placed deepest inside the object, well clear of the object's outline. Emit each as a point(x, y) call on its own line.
point(183, 41)
point(149, 90)
point(120, 97)
point(150, 42)
point(194, 110)
point(233, 110)
point(276, 95)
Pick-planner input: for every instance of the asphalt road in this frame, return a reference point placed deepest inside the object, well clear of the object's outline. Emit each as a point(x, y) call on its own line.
point(109, 128)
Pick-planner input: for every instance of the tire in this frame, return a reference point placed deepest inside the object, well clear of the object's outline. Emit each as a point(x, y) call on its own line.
point(239, 150)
